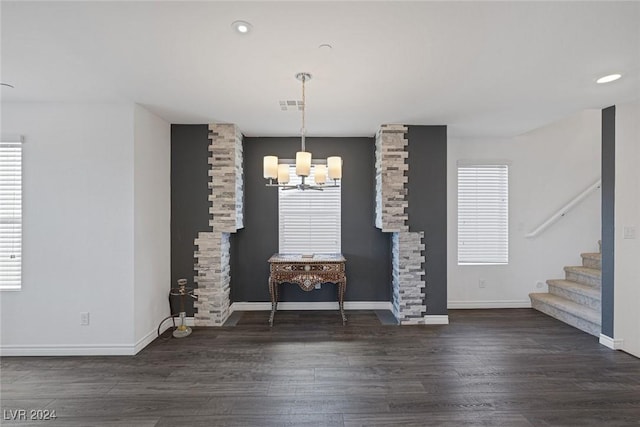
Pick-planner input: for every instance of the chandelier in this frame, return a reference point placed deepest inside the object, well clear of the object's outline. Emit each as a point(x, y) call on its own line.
point(331, 168)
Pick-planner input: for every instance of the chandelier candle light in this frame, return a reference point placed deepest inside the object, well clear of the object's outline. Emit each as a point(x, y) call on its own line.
point(332, 168)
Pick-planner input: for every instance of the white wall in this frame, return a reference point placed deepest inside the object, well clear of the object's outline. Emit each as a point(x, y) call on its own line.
point(627, 214)
point(77, 230)
point(96, 229)
point(549, 166)
point(152, 216)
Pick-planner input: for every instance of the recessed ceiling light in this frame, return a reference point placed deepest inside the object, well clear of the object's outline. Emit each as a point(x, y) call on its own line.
point(243, 27)
point(609, 78)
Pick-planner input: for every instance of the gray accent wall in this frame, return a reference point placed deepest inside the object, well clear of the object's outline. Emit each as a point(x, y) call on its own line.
point(366, 249)
point(189, 203)
point(608, 216)
point(427, 188)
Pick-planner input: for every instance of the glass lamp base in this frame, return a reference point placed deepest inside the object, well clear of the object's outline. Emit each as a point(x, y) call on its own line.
point(182, 332)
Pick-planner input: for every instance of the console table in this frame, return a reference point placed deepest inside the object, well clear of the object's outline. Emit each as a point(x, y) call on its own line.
point(306, 271)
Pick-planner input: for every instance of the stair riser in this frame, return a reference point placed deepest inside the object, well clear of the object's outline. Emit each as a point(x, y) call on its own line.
point(592, 263)
point(585, 300)
point(568, 318)
point(583, 278)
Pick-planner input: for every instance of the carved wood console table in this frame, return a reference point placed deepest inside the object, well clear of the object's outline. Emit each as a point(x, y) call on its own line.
point(307, 272)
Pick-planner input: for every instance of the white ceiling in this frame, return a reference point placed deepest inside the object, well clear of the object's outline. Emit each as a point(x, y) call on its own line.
point(483, 68)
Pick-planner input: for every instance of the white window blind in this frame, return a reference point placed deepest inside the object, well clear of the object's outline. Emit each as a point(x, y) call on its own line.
point(483, 214)
point(309, 221)
point(10, 215)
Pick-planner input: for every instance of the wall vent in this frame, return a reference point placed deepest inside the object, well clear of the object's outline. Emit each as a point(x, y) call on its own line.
point(291, 105)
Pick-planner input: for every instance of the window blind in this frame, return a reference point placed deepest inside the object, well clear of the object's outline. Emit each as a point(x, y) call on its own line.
point(310, 220)
point(10, 215)
point(483, 214)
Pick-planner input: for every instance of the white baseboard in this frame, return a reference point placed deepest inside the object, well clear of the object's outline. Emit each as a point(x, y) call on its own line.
point(85, 349)
point(152, 335)
point(327, 305)
point(436, 319)
point(68, 350)
point(612, 343)
point(489, 304)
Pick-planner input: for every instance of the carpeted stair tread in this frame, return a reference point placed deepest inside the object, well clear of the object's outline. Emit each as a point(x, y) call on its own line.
point(592, 260)
point(577, 299)
point(578, 288)
point(591, 255)
point(586, 275)
point(587, 271)
point(568, 306)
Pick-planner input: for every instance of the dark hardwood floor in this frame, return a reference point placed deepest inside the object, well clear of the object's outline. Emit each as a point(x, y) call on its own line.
point(487, 368)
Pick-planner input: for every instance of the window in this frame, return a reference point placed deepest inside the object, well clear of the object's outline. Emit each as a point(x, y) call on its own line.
point(309, 220)
point(483, 213)
point(10, 215)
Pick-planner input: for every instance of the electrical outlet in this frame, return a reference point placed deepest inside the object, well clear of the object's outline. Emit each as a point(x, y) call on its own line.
point(482, 283)
point(539, 284)
point(317, 286)
point(629, 232)
point(84, 318)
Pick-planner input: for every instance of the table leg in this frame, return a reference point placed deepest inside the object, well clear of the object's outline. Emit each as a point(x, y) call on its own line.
point(341, 289)
point(273, 291)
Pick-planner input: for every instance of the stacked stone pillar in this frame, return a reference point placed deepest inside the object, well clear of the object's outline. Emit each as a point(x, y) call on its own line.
point(408, 277)
point(226, 197)
point(408, 247)
point(391, 179)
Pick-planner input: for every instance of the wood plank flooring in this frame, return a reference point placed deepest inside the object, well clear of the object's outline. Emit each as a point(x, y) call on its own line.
point(487, 368)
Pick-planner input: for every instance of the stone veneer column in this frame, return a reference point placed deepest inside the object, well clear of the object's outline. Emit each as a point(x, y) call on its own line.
point(391, 217)
point(391, 190)
point(226, 197)
point(408, 277)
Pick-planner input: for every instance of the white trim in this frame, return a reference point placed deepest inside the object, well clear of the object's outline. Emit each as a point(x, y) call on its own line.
point(612, 343)
point(436, 319)
point(151, 336)
point(86, 350)
point(326, 305)
point(68, 350)
point(251, 306)
point(489, 304)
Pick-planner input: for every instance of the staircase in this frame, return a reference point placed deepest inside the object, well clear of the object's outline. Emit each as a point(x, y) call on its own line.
point(576, 299)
